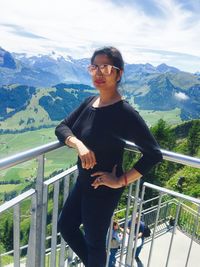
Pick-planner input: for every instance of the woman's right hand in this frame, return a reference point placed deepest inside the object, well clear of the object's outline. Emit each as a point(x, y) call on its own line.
point(87, 156)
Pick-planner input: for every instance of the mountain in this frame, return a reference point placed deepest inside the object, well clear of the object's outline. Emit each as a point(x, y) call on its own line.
point(28, 108)
point(14, 99)
point(163, 68)
point(6, 59)
point(38, 91)
point(164, 95)
point(50, 69)
point(65, 69)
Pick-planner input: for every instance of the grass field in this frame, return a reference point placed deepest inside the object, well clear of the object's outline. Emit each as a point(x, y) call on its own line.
point(26, 172)
point(151, 117)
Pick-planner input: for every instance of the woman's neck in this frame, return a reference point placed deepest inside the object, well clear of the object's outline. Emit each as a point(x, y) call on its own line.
point(108, 99)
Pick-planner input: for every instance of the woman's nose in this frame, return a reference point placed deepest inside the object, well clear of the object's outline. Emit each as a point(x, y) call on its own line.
point(99, 72)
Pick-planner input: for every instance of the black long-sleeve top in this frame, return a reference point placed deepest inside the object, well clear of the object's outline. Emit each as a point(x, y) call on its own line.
point(103, 130)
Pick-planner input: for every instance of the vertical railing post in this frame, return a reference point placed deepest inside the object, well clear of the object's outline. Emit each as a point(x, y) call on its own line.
point(109, 240)
point(16, 231)
point(138, 225)
point(54, 224)
point(196, 223)
point(63, 243)
point(126, 223)
point(32, 238)
point(154, 231)
point(165, 212)
point(70, 251)
point(44, 221)
point(1, 252)
point(39, 210)
point(173, 232)
point(128, 259)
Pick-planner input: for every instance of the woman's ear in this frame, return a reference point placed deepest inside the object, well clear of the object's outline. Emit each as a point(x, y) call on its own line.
point(119, 76)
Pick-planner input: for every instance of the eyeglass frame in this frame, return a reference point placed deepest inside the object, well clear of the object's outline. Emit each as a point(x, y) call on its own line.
point(99, 67)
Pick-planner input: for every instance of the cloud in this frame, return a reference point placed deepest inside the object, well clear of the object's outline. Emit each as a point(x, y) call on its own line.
point(18, 30)
point(181, 96)
point(154, 31)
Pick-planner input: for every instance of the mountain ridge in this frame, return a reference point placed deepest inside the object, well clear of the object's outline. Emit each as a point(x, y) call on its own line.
point(47, 70)
point(142, 85)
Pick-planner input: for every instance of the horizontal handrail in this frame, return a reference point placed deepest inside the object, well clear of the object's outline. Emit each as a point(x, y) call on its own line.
point(172, 193)
point(35, 152)
point(171, 156)
point(60, 175)
point(28, 155)
point(16, 200)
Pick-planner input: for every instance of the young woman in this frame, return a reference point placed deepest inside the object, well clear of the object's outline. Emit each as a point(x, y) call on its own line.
point(96, 130)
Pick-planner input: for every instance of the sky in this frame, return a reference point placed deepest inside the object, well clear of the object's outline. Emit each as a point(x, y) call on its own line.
point(145, 31)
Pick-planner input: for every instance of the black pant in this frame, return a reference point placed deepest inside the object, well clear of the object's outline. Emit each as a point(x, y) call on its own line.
point(94, 211)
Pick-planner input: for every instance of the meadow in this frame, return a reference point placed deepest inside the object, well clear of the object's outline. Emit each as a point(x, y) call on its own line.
point(22, 175)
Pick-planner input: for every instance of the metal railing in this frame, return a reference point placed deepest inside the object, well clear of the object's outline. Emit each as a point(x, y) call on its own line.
point(38, 198)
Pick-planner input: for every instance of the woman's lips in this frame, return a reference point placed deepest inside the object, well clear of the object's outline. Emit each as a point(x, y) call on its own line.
point(99, 81)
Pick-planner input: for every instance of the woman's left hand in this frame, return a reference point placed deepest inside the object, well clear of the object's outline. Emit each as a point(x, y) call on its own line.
point(106, 178)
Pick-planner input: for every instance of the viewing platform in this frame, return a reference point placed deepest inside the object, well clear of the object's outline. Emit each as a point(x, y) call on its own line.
point(171, 246)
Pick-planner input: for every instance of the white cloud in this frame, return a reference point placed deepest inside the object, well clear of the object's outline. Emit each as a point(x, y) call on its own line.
point(181, 96)
point(77, 27)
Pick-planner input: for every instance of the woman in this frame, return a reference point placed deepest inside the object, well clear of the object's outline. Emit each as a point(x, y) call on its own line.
point(96, 130)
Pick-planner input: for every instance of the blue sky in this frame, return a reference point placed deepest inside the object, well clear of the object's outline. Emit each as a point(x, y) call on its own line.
point(153, 31)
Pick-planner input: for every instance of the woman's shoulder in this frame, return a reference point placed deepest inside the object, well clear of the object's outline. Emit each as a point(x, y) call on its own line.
point(128, 108)
point(89, 99)
point(130, 113)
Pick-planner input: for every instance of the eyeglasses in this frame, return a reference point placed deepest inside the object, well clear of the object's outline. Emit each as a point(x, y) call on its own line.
point(104, 68)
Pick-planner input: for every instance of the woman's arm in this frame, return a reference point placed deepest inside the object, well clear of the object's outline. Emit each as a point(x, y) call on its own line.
point(135, 130)
point(111, 180)
point(63, 130)
point(65, 135)
point(87, 156)
point(139, 133)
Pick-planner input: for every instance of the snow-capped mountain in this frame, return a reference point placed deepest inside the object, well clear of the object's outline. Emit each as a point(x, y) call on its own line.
point(53, 68)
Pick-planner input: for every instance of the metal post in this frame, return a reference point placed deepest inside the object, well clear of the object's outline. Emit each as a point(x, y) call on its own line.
point(16, 232)
point(126, 223)
point(173, 233)
point(0, 257)
point(132, 228)
point(44, 220)
point(109, 240)
point(54, 224)
point(70, 251)
point(32, 237)
point(154, 231)
point(39, 196)
point(192, 238)
point(138, 225)
point(63, 244)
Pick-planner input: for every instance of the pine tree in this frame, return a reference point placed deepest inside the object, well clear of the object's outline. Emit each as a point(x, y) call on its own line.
point(193, 141)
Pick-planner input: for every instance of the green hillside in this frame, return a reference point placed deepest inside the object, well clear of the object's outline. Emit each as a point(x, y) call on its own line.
point(174, 97)
point(16, 179)
point(45, 107)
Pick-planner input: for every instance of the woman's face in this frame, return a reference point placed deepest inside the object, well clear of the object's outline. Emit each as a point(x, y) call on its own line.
point(102, 81)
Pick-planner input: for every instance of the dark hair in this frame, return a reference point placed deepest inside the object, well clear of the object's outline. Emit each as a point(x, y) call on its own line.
point(115, 223)
point(112, 53)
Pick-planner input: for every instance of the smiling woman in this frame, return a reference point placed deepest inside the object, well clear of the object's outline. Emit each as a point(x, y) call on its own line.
point(96, 130)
